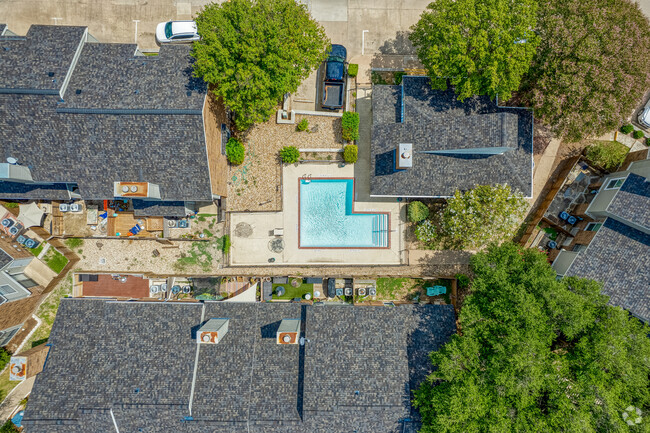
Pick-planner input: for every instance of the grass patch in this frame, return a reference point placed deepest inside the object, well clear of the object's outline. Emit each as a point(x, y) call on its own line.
point(11, 205)
point(5, 385)
point(198, 255)
point(74, 242)
point(47, 312)
point(552, 233)
point(607, 154)
point(36, 251)
point(55, 260)
point(293, 292)
point(388, 288)
point(223, 243)
point(207, 233)
point(150, 54)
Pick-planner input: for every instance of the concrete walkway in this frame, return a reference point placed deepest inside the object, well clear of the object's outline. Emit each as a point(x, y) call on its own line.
point(14, 398)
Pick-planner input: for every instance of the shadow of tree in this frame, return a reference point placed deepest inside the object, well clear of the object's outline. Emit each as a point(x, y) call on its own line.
point(390, 53)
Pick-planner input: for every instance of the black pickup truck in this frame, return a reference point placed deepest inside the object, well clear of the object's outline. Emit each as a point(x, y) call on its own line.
point(335, 74)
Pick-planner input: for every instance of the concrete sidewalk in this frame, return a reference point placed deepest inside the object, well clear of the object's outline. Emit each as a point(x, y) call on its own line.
point(12, 401)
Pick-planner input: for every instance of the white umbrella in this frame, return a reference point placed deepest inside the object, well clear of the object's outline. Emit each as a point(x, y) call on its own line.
point(30, 215)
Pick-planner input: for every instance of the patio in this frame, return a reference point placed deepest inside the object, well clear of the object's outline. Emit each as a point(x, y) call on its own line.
point(256, 185)
point(253, 233)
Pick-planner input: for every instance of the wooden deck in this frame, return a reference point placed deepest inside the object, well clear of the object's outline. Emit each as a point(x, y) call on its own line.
point(214, 115)
point(123, 222)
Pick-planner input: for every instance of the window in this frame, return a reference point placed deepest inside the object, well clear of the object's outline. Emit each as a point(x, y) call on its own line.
point(6, 290)
point(615, 183)
point(182, 37)
point(593, 227)
point(168, 30)
point(579, 247)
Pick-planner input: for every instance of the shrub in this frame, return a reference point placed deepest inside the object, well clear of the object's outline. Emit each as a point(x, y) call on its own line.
point(607, 154)
point(647, 141)
point(303, 125)
point(417, 211)
point(8, 427)
point(353, 69)
point(626, 129)
point(11, 205)
point(350, 124)
point(290, 154)
point(425, 232)
point(463, 280)
point(350, 153)
point(398, 77)
point(4, 358)
point(638, 134)
point(235, 151)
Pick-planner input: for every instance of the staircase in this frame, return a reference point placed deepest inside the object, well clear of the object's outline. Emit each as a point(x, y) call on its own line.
point(380, 230)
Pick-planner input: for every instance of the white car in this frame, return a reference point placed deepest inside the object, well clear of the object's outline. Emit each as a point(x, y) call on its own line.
point(644, 116)
point(176, 32)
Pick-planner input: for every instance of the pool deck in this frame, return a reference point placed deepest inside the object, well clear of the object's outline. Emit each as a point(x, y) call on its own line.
point(254, 249)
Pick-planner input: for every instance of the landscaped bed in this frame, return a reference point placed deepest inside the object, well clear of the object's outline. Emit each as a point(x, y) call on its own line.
point(293, 292)
point(409, 289)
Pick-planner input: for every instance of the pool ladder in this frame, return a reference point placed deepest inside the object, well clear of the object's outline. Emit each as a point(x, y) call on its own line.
point(307, 178)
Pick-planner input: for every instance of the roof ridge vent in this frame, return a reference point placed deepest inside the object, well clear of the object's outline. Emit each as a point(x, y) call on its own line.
point(288, 332)
point(212, 331)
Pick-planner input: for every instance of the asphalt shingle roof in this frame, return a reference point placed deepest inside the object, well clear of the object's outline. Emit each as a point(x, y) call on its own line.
point(111, 77)
point(123, 118)
point(17, 191)
point(436, 120)
point(40, 60)
point(137, 359)
point(144, 208)
point(619, 257)
point(5, 258)
point(632, 201)
point(95, 150)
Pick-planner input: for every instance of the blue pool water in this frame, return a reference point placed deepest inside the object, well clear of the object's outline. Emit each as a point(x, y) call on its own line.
point(326, 218)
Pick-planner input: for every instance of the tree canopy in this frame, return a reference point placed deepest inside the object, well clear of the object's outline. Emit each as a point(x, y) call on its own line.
point(592, 65)
point(483, 47)
point(537, 355)
point(252, 52)
point(474, 218)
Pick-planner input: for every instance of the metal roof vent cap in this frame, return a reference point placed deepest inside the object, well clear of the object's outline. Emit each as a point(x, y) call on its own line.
point(134, 188)
point(125, 188)
point(13, 161)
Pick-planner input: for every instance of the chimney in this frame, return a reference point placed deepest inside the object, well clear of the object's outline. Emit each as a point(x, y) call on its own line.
point(289, 331)
point(212, 331)
point(404, 157)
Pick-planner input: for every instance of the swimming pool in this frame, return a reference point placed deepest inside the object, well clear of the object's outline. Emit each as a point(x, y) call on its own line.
point(327, 219)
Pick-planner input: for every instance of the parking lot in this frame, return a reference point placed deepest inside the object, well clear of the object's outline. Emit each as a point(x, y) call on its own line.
point(368, 26)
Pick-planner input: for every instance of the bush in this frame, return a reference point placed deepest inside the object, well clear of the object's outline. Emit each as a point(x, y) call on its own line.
point(303, 125)
point(607, 154)
point(350, 124)
point(647, 141)
point(426, 233)
point(290, 154)
point(235, 151)
point(4, 357)
point(463, 281)
point(353, 69)
point(8, 427)
point(638, 134)
point(626, 129)
point(350, 153)
point(417, 211)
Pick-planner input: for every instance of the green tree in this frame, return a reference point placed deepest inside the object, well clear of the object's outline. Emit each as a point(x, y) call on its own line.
point(252, 52)
point(592, 65)
point(483, 47)
point(350, 153)
point(477, 217)
point(536, 355)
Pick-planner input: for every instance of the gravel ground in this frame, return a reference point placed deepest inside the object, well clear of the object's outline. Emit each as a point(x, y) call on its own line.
point(256, 185)
point(135, 256)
